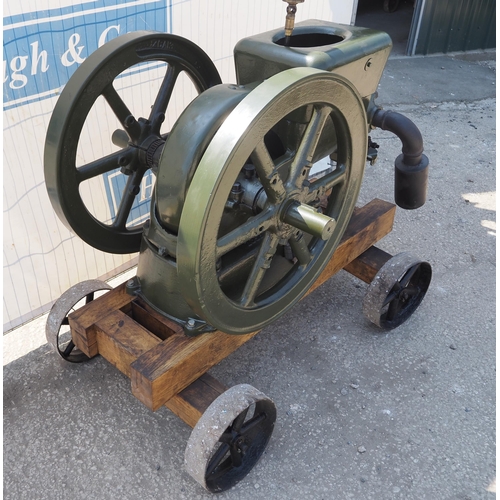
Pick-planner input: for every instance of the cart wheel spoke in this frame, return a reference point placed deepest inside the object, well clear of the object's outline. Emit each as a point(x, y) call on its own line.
point(236, 456)
point(69, 349)
point(217, 458)
point(403, 282)
point(238, 422)
point(252, 423)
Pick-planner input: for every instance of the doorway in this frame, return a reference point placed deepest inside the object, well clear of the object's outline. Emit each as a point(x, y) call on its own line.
point(392, 16)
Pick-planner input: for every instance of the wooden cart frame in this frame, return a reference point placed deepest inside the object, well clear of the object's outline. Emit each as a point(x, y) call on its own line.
point(168, 368)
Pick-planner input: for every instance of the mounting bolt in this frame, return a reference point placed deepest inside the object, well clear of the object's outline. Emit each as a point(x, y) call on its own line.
point(249, 171)
point(191, 323)
point(133, 286)
point(236, 188)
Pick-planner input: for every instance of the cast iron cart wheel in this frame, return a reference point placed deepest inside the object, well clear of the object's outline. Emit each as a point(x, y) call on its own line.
point(325, 99)
point(140, 138)
point(391, 5)
point(230, 437)
point(397, 290)
point(58, 336)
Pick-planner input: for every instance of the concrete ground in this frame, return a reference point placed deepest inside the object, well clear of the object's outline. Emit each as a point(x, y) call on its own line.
point(362, 413)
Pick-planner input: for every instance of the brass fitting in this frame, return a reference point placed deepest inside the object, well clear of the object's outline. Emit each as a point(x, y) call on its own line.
point(290, 17)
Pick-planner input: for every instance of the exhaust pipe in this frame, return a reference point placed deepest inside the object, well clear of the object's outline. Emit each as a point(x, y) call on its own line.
point(412, 166)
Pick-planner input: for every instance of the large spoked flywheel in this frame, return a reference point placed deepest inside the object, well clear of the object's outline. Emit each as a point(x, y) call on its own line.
point(120, 94)
point(253, 236)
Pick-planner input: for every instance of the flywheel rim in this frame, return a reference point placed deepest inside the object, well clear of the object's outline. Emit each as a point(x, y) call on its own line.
point(89, 81)
point(197, 245)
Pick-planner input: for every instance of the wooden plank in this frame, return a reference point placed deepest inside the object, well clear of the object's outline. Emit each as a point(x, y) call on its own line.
point(172, 365)
point(368, 225)
point(160, 325)
point(190, 404)
point(82, 321)
point(368, 264)
point(121, 340)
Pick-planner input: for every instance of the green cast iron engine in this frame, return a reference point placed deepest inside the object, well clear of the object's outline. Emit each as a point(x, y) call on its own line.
point(239, 227)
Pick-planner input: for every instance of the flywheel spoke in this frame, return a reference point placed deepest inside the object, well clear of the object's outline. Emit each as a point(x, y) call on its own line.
point(261, 265)
point(300, 249)
point(128, 197)
point(270, 179)
point(121, 111)
point(99, 167)
point(158, 109)
point(305, 151)
point(252, 228)
point(320, 186)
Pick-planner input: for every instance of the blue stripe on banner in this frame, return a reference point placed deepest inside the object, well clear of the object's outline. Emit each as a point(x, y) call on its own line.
point(42, 49)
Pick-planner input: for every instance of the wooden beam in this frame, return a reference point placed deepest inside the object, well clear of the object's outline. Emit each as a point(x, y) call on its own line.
point(122, 340)
point(172, 365)
point(368, 264)
point(190, 404)
point(82, 321)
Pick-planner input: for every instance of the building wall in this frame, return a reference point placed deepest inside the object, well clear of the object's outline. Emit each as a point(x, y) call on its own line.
point(456, 25)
